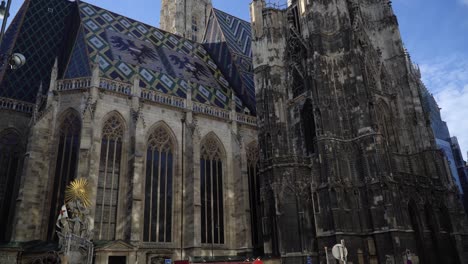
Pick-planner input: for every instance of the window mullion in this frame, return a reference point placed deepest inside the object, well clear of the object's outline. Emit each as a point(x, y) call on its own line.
point(104, 187)
point(112, 194)
point(206, 202)
point(150, 222)
point(165, 204)
point(158, 197)
point(70, 155)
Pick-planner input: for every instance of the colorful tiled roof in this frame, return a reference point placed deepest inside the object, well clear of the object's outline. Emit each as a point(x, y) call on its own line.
point(164, 62)
point(228, 40)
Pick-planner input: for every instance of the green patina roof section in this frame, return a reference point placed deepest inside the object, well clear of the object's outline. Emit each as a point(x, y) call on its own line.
point(127, 47)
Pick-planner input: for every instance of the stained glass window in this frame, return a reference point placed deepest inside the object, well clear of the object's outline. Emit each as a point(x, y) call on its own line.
point(66, 164)
point(109, 177)
point(159, 187)
point(211, 186)
point(9, 178)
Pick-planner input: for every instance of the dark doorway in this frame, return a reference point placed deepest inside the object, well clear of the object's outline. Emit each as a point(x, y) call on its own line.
point(117, 260)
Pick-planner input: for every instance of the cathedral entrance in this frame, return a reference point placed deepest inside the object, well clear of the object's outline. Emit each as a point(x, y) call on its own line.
point(117, 260)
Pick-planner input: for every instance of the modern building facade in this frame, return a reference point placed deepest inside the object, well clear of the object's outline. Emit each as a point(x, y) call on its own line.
point(446, 143)
point(347, 151)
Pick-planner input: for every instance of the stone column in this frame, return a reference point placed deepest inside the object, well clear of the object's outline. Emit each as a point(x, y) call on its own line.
point(138, 143)
point(191, 146)
point(91, 140)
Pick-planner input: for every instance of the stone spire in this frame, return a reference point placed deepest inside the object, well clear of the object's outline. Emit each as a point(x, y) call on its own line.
point(187, 18)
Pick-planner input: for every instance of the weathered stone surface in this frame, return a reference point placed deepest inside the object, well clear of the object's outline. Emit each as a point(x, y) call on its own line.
point(346, 150)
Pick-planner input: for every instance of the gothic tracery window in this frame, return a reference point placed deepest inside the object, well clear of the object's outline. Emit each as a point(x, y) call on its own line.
point(108, 181)
point(9, 163)
point(254, 191)
point(66, 164)
point(211, 192)
point(159, 187)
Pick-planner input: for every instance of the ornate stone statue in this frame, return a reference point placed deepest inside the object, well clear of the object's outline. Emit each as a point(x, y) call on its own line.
point(73, 227)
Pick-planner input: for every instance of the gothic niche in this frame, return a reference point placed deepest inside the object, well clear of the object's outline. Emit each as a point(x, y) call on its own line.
point(66, 164)
point(308, 124)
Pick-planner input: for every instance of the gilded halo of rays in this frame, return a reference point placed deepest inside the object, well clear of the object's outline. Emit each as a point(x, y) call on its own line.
point(78, 190)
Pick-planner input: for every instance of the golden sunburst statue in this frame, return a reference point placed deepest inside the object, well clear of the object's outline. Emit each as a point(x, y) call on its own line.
point(78, 190)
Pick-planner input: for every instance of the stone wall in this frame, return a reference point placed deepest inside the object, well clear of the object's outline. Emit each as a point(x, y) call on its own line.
point(141, 117)
point(341, 126)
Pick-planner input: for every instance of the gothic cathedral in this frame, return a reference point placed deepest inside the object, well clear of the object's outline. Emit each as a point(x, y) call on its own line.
point(214, 139)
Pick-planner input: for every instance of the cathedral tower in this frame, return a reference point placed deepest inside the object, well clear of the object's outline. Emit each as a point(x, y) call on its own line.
point(186, 18)
point(346, 148)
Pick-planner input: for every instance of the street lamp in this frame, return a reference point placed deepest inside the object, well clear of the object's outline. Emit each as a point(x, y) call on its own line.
point(15, 60)
point(2, 10)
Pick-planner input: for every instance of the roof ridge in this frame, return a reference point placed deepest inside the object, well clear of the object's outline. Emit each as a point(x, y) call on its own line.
point(238, 18)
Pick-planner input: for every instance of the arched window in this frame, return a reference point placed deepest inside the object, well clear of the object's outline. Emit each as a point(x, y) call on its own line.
point(254, 192)
point(211, 192)
point(9, 163)
point(66, 164)
point(108, 182)
point(159, 187)
point(308, 123)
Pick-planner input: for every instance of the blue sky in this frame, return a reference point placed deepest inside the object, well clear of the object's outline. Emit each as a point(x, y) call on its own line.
point(434, 31)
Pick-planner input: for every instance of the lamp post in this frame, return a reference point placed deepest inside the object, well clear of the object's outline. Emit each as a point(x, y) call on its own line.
point(15, 60)
point(4, 14)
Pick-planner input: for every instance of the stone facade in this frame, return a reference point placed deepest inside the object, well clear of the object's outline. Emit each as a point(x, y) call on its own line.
point(141, 117)
point(102, 117)
point(187, 18)
point(347, 151)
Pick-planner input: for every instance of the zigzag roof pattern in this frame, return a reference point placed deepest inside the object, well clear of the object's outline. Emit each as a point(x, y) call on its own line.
point(165, 62)
point(228, 40)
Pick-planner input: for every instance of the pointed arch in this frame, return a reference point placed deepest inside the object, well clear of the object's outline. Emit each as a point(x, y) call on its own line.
point(66, 166)
point(160, 166)
point(163, 126)
point(107, 198)
point(212, 147)
point(10, 163)
point(212, 156)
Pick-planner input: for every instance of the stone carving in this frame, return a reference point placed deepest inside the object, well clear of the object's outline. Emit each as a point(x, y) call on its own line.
point(89, 107)
point(73, 224)
point(138, 115)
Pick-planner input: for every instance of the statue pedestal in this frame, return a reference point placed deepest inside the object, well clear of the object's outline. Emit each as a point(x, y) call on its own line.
point(76, 250)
